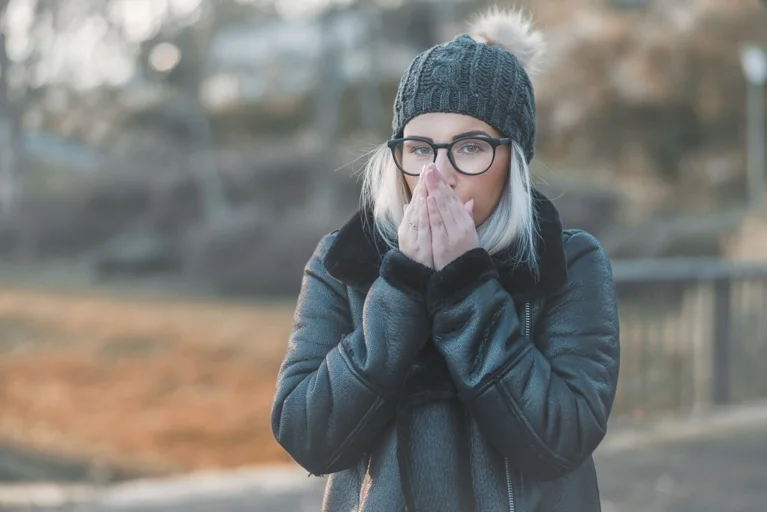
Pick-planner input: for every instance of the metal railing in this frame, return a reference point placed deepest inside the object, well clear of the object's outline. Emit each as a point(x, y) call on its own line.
point(693, 334)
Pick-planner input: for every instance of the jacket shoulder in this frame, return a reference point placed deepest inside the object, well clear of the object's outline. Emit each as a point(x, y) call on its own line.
point(319, 262)
point(324, 245)
point(579, 243)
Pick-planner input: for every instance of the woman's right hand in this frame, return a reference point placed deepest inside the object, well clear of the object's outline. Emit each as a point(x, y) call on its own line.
point(415, 230)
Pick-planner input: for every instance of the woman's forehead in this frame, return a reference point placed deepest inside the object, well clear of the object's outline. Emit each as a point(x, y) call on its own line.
point(445, 126)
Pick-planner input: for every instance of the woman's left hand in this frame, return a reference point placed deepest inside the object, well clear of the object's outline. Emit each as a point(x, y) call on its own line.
point(452, 224)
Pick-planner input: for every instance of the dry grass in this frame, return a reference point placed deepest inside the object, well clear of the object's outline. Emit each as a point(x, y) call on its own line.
point(164, 385)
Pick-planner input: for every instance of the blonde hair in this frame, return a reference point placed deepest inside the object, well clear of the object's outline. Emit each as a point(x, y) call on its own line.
point(511, 225)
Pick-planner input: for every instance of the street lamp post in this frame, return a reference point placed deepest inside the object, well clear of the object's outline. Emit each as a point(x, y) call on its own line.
point(754, 61)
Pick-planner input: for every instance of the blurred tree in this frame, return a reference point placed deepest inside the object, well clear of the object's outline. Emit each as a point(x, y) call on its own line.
point(630, 4)
point(30, 32)
point(182, 112)
point(10, 124)
point(54, 52)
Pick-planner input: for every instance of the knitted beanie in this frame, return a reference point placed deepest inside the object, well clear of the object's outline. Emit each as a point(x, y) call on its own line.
point(484, 73)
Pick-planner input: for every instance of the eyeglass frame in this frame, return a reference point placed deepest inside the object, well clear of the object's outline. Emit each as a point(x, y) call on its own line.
point(493, 141)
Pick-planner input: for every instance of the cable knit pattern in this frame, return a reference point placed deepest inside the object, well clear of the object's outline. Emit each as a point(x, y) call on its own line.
point(471, 78)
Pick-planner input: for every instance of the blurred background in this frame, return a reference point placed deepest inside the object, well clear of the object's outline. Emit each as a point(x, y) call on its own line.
point(168, 166)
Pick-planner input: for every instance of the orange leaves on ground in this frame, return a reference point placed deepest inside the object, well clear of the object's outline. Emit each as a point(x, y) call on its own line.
point(150, 383)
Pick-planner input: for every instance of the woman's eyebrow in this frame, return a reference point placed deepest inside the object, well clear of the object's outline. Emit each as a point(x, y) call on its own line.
point(455, 137)
point(469, 134)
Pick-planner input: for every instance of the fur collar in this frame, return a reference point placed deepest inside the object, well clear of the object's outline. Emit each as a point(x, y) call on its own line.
point(355, 256)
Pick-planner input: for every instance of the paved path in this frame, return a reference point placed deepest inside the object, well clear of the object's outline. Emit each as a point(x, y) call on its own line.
point(709, 464)
point(727, 472)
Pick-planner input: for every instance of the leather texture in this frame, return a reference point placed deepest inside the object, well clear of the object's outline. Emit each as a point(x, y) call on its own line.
point(410, 388)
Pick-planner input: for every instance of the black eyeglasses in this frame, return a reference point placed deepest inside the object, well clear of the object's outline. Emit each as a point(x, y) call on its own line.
point(469, 155)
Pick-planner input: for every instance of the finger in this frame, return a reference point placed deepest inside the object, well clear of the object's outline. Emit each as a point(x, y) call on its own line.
point(450, 195)
point(420, 214)
point(413, 203)
point(414, 194)
point(442, 196)
point(458, 212)
point(410, 208)
point(406, 212)
point(470, 208)
point(424, 229)
point(403, 231)
point(436, 223)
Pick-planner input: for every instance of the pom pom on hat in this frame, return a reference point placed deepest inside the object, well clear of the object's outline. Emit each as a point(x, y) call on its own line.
point(513, 31)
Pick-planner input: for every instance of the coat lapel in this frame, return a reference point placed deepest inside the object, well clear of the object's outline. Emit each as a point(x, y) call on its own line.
point(355, 256)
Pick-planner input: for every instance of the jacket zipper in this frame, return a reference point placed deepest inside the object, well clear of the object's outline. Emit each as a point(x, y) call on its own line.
point(509, 484)
point(509, 487)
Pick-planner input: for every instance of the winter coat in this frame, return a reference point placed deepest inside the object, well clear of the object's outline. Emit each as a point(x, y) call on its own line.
point(478, 387)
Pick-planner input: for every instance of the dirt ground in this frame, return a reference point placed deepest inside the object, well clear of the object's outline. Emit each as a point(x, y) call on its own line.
point(157, 384)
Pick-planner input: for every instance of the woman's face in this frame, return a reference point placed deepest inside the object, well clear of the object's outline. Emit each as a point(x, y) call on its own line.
point(484, 188)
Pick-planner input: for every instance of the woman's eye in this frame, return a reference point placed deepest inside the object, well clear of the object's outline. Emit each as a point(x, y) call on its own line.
point(473, 147)
point(421, 150)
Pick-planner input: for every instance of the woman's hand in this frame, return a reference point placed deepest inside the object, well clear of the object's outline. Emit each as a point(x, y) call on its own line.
point(414, 231)
point(452, 224)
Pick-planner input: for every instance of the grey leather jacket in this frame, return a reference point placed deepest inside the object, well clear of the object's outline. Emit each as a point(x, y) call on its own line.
point(479, 387)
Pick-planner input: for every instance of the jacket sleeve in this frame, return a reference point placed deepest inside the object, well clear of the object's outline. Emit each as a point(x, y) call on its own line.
point(543, 402)
point(338, 384)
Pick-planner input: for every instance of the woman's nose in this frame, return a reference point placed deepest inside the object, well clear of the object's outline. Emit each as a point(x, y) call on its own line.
point(446, 169)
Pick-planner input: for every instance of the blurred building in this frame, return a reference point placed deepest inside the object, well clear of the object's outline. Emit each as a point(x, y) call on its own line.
point(264, 60)
point(270, 75)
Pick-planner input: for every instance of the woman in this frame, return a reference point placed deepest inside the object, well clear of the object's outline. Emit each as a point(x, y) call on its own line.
point(453, 348)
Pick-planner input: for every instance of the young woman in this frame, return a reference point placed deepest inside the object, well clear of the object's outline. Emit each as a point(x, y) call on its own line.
point(453, 348)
